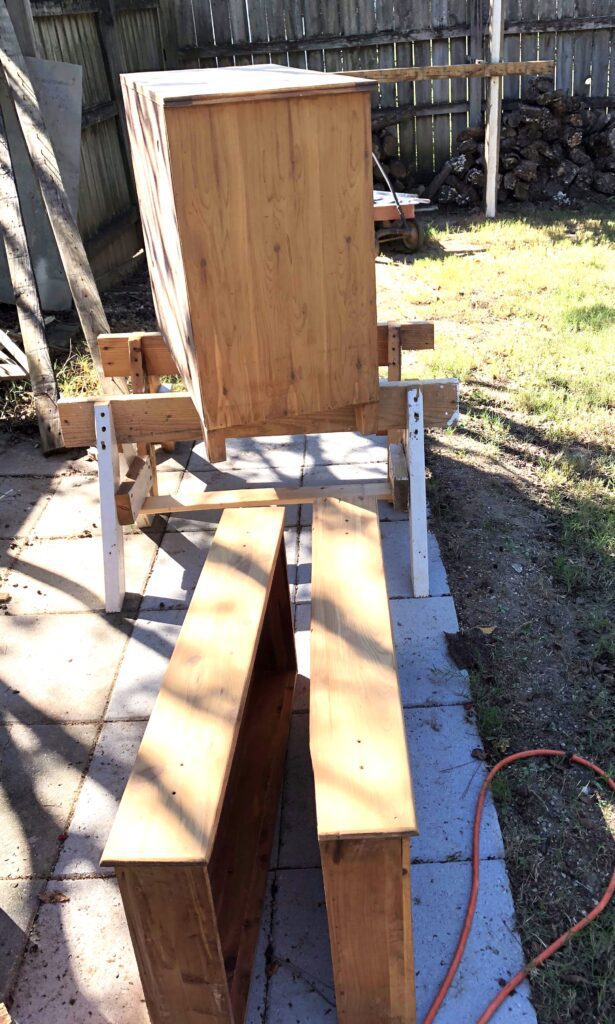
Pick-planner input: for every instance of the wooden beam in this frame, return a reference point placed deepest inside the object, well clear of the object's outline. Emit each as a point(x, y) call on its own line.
point(133, 490)
point(27, 301)
point(398, 477)
point(158, 361)
point(354, 690)
point(255, 497)
point(173, 416)
point(496, 69)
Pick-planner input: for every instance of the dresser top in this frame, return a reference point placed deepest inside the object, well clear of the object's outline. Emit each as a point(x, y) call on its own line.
point(218, 85)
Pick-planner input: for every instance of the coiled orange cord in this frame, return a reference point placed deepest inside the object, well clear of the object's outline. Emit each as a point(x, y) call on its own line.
point(495, 1003)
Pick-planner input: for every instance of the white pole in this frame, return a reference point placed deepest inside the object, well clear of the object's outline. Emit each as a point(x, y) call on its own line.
point(494, 108)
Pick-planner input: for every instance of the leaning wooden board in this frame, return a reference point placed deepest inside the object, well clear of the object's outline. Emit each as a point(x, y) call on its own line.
point(256, 201)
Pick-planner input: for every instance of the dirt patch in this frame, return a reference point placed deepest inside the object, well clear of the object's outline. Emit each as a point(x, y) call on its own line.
point(542, 676)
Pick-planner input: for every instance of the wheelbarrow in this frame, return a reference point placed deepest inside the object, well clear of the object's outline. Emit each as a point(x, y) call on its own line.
point(395, 217)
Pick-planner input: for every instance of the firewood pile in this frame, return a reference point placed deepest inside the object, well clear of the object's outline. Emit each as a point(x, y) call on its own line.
point(553, 147)
point(386, 148)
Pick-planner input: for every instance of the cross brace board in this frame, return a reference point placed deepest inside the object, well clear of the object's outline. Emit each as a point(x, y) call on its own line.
point(494, 70)
point(173, 416)
point(157, 358)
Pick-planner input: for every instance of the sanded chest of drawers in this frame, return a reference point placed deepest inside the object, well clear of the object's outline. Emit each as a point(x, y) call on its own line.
point(255, 193)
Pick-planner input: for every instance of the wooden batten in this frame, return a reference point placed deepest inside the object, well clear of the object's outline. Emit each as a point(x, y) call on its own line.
point(439, 71)
point(158, 361)
point(173, 416)
point(249, 497)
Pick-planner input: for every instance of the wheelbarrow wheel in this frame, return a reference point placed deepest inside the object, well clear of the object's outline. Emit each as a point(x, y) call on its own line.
point(413, 236)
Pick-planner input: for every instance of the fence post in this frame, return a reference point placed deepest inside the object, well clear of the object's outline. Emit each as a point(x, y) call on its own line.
point(494, 108)
point(476, 53)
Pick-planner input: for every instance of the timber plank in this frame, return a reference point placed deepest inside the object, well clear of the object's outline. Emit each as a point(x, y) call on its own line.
point(420, 74)
point(173, 416)
point(254, 497)
point(357, 738)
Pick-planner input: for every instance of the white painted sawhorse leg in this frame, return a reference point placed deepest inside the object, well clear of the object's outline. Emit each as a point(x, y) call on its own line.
point(108, 482)
point(417, 494)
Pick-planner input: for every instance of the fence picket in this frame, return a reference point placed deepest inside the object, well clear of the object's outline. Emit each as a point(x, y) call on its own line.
point(422, 95)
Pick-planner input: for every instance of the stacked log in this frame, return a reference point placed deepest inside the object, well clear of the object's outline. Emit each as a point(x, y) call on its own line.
point(386, 148)
point(553, 147)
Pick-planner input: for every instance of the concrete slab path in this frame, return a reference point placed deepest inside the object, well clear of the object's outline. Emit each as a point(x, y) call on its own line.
point(77, 687)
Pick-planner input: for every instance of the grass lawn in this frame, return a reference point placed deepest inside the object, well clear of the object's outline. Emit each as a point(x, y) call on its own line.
point(522, 500)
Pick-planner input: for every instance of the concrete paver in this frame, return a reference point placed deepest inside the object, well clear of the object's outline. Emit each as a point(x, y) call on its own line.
point(246, 475)
point(81, 966)
point(22, 456)
point(446, 781)
point(41, 768)
point(301, 988)
point(70, 666)
point(298, 835)
point(179, 563)
point(303, 619)
point(396, 550)
point(73, 509)
point(439, 899)
point(285, 452)
point(427, 675)
point(22, 502)
point(147, 655)
point(18, 905)
point(113, 758)
point(324, 449)
point(67, 575)
point(175, 461)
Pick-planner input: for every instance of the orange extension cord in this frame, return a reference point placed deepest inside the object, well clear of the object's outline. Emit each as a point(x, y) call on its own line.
point(495, 1003)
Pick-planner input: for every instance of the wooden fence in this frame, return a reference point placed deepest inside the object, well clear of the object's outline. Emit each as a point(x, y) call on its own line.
point(110, 36)
point(325, 35)
point(106, 38)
